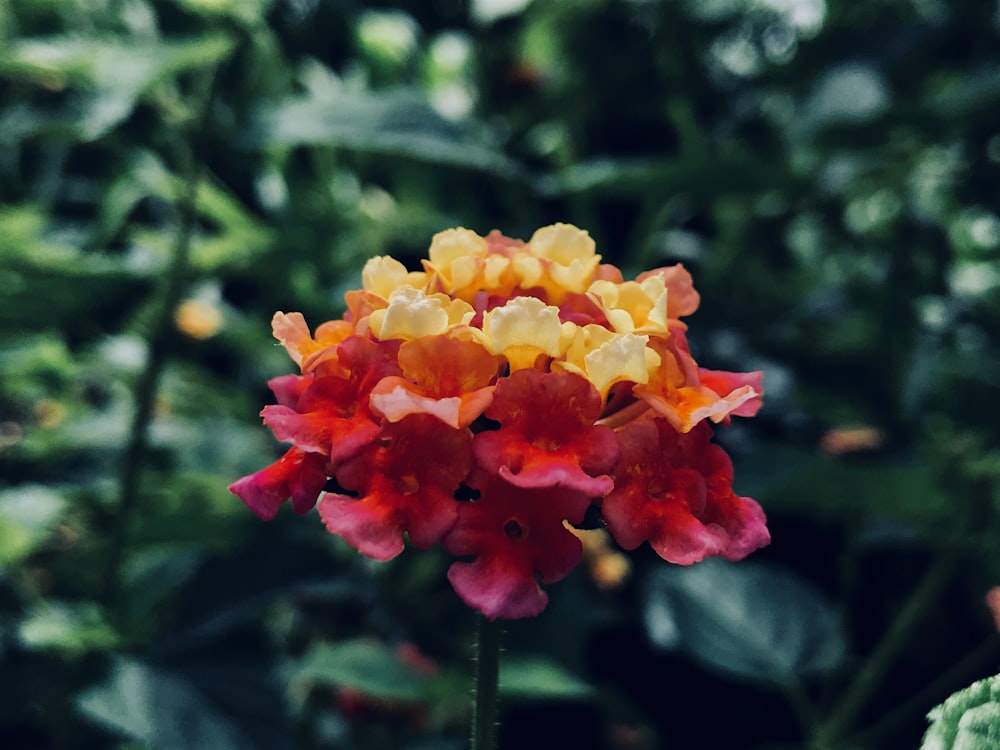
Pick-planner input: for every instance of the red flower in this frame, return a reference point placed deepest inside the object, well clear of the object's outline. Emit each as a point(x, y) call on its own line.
point(405, 483)
point(674, 490)
point(332, 415)
point(516, 538)
point(547, 435)
point(297, 475)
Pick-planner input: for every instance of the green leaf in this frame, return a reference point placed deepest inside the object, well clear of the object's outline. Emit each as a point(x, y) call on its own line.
point(368, 666)
point(968, 720)
point(116, 73)
point(909, 493)
point(745, 619)
point(397, 121)
point(538, 678)
point(27, 515)
point(165, 710)
point(69, 627)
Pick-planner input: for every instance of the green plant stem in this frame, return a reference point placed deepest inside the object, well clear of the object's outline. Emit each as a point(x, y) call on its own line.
point(137, 448)
point(800, 704)
point(484, 716)
point(161, 329)
point(874, 669)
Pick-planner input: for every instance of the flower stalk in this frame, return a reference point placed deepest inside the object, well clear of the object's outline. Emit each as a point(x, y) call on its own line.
point(170, 294)
point(486, 690)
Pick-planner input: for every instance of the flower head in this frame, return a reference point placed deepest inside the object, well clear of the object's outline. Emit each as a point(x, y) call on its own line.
point(488, 401)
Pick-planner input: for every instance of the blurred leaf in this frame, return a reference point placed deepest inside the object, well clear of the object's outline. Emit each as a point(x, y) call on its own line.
point(46, 283)
point(27, 514)
point(908, 493)
point(166, 711)
point(398, 121)
point(173, 499)
point(68, 627)
point(240, 239)
point(745, 619)
point(118, 72)
point(694, 173)
point(153, 576)
point(362, 664)
point(538, 678)
point(968, 720)
point(245, 11)
point(960, 94)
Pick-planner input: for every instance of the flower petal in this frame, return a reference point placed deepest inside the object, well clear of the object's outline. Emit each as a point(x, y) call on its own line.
point(403, 486)
point(522, 330)
point(297, 475)
point(332, 414)
point(674, 490)
point(516, 537)
point(547, 435)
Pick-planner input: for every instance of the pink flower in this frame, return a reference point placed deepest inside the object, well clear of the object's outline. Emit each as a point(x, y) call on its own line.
point(332, 415)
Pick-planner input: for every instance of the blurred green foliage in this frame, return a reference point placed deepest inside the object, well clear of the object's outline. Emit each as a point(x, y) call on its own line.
point(173, 171)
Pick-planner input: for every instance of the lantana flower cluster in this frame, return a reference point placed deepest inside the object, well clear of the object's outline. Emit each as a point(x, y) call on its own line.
point(494, 399)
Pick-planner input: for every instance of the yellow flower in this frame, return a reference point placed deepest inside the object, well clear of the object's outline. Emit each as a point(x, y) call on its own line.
point(522, 330)
point(412, 314)
point(605, 357)
point(632, 305)
point(384, 274)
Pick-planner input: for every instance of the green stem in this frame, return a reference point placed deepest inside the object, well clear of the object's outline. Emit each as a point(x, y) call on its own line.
point(161, 330)
point(484, 717)
point(874, 669)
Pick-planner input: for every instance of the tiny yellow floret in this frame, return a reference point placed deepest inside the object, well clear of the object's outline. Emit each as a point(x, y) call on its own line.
point(383, 274)
point(522, 329)
point(624, 357)
point(412, 314)
point(563, 243)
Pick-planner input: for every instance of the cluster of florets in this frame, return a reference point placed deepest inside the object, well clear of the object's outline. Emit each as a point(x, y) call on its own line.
point(487, 402)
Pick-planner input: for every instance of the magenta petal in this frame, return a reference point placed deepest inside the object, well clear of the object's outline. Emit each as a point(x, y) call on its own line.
point(494, 589)
point(368, 527)
point(288, 388)
point(559, 475)
point(320, 432)
point(297, 474)
point(748, 530)
point(547, 436)
point(687, 540)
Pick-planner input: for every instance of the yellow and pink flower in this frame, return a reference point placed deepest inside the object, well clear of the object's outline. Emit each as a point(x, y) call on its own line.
point(488, 401)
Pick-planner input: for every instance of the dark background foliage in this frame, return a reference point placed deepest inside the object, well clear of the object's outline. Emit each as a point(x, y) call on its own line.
point(173, 171)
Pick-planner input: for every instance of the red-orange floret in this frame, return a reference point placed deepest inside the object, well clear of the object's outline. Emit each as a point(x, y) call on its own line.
point(332, 415)
point(448, 377)
point(297, 475)
point(405, 482)
point(674, 490)
point(547, 435)
point(516, 538)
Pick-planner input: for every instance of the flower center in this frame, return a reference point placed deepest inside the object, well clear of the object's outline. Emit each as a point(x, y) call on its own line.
point(513, 529)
